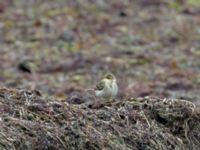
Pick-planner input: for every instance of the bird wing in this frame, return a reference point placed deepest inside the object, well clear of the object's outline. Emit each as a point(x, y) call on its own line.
point(100, 85)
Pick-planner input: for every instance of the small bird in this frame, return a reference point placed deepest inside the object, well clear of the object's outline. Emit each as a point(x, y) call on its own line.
point(107, 88)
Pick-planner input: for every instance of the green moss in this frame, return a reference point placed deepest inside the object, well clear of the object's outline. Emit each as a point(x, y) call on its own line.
point(194, 2)
point(176, 6)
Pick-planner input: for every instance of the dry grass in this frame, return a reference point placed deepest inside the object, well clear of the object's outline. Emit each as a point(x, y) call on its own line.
point(31, 121)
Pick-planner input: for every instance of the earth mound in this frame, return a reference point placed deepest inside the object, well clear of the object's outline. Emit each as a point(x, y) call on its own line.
point(32, 121)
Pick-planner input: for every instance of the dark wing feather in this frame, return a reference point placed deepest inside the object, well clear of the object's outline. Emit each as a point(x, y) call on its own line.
point(100, 85)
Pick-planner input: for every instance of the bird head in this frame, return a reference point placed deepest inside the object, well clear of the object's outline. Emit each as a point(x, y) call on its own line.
point(110, 76)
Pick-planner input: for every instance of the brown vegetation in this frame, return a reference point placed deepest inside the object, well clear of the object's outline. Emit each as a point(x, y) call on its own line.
point(31, 121)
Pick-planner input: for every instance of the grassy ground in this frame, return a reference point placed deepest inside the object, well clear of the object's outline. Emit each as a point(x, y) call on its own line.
point(153, 47)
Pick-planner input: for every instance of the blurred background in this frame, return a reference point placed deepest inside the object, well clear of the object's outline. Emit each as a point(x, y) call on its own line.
point(65, 46)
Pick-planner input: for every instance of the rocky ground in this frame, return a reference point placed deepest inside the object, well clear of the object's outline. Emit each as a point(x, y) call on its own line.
point(61, 47)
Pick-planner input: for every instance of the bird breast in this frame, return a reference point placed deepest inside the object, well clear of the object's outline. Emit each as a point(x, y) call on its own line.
point(109, 90)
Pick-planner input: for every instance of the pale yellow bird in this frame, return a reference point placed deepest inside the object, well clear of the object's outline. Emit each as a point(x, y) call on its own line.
point(107, 88)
